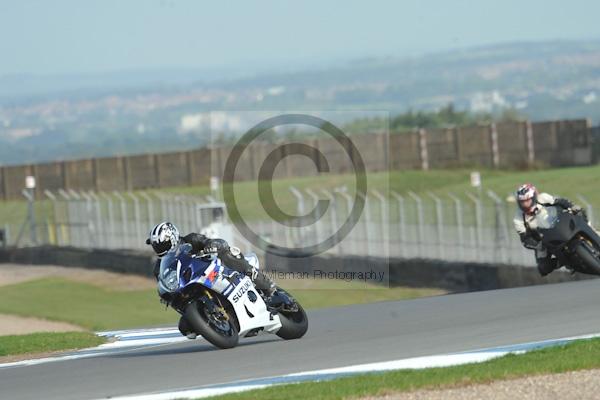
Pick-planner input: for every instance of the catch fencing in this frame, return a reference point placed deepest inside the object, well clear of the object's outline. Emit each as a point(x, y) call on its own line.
point(116, 220)
point(473, 226)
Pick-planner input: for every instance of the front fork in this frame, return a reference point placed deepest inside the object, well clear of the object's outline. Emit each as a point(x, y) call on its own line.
point(214, 306)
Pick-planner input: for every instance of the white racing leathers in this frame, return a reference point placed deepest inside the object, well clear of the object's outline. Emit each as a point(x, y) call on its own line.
point(541, 218)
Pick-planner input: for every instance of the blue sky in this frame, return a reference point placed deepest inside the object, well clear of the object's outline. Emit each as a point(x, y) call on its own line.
point(60, 36)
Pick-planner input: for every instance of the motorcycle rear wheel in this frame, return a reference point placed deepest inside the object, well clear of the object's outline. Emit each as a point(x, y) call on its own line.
point(293, 324)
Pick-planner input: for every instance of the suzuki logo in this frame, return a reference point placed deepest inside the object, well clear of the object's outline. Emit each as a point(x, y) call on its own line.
point(241, 291)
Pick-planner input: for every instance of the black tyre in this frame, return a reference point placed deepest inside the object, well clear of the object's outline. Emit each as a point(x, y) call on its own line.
point(588, 256)
point(223, 335)
point(184, 327)
point(293, 325)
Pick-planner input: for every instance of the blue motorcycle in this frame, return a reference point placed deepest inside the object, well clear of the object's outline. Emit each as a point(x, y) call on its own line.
point(222, 305)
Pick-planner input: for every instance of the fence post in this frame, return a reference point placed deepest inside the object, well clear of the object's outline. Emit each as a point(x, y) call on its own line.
point(163, 206)
point(423, 149)
point(300, 210)
point(91, 226)
point(530, 144)
point(479, 226)
point(459, 225)
point(77, 206)
point(420, 222)
point(198, 213)
point(401, 222)
point(367, 223)
point(52, 198)
point(179, 202)
point(494, 141)
point(66, 228)
point(28, 194)
point(101, 226)
point(190, 202)
point(348, 199)
point(124, 222)
point(149, 208)
point(439, 218)
point(501, 228)
point(317, 224)
point(384, 218)
point(138, 222)
point(7, 235)
point(111, 220)
point(332, 216)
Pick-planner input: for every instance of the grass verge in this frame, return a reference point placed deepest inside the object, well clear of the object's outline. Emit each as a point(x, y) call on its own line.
point(584, 354)
point(47, 342)
point(89, 306)
point(98, 308)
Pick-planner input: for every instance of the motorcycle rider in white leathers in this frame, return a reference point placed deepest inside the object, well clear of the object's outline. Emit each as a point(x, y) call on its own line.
point(532, 212)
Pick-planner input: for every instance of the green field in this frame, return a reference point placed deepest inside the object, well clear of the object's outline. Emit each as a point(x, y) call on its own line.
point(83, 304)
point(583, 354)
point(98, 308)
point(564, 181)
point(47, 342)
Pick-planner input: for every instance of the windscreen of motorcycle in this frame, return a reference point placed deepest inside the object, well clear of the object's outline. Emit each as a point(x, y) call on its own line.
point(168, 276)
point(546, 218)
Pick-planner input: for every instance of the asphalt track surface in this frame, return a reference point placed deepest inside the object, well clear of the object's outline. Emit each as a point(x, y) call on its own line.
point(337, 337)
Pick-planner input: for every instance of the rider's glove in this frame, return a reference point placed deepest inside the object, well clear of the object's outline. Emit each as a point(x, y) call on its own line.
point(215, 246)
point(529, 241)
point(577, 210)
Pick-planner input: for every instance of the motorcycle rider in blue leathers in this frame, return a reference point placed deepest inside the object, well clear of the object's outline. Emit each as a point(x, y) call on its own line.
point(165, 236)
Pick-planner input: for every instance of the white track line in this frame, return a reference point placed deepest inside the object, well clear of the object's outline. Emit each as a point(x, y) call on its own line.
point(126, 340)
point(446, 360)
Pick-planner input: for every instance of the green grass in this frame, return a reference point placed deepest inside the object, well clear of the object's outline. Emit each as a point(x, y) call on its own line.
point(97, 308)
point(584, 354)
point(567, 181)
point(85, 305)
point(47, 342)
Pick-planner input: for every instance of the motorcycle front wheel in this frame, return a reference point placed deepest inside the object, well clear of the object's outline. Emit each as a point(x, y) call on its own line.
point(220, 332)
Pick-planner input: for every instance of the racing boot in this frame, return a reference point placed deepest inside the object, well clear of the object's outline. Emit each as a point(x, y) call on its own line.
point(263, 283)
point(546, 265)
point(276, 299)
point(185, 329)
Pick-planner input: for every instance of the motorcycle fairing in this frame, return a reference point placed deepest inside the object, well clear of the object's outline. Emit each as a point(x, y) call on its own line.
point(250, 309)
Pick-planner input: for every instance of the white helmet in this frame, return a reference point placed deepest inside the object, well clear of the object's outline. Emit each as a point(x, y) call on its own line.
point(527, 198)
point(163, 237)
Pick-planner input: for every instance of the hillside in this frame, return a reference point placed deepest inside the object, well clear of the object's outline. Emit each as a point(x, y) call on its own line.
point(125, 113)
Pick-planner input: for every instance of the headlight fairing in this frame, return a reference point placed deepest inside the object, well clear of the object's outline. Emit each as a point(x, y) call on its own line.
point(170, 280)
